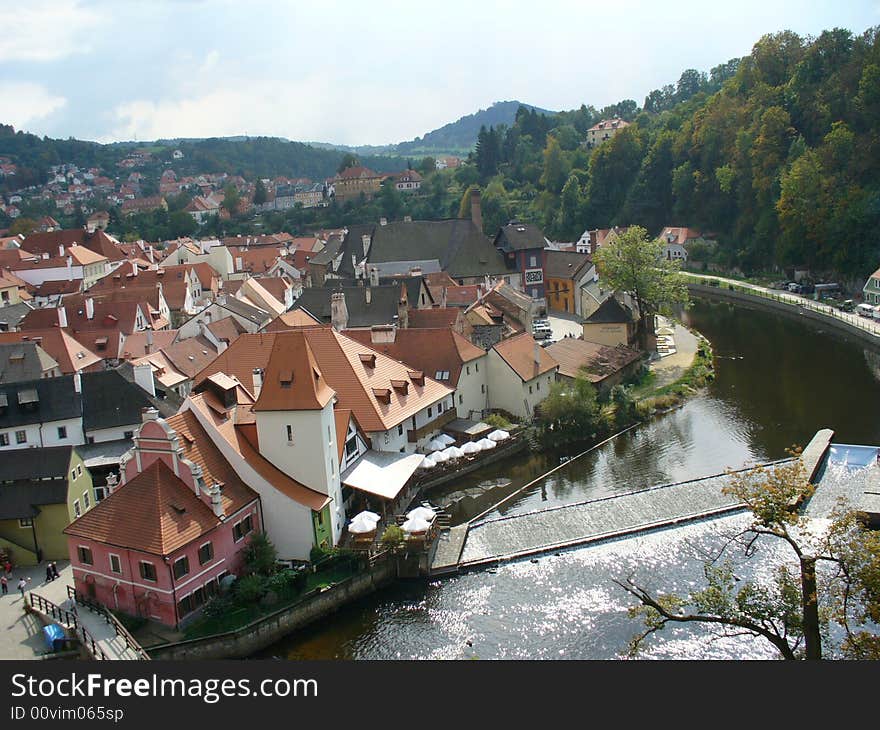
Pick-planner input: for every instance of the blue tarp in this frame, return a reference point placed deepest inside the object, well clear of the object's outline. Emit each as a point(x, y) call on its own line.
point(55, 637)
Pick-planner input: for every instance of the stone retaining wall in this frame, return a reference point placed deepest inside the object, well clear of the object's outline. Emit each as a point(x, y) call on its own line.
point(267, 630)
point(790, 310)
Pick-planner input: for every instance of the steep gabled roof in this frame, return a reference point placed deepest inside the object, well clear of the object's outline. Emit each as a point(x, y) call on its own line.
point(155, 512)
point(610, 312)
point(292, 380)
point(519, 237)
point(69, 353)
point(565, 264)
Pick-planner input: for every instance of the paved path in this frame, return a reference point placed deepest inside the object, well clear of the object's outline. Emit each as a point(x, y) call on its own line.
point(669, 368)
point(869, 325)
point(448, 550)
point(563, 324)
point(23, 638)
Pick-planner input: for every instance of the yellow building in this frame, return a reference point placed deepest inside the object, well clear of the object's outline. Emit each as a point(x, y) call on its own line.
point(353, 181)
point(611, 324)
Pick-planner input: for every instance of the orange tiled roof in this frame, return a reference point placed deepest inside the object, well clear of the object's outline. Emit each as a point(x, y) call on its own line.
point(519, 353)
point(291, 320)
point(69, 353)
point(292, 380)
point(436, 317)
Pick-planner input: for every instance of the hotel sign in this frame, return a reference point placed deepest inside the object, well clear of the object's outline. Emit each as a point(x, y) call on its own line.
point(533, 276)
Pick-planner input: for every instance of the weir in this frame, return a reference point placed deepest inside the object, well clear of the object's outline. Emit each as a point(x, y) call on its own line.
point(486, 541)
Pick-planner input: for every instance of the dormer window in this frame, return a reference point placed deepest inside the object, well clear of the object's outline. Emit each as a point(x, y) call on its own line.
point(417, 377)
point(368, 359)
point(383, 395)
point(286, 378)
point(401, 386)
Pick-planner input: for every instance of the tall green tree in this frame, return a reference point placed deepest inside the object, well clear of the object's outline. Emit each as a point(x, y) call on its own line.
point(633, 263)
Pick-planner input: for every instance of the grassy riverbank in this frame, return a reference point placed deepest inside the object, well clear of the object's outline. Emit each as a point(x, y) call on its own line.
point(650, 399)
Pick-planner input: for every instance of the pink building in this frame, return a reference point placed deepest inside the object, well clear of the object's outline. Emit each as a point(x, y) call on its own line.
point(178, 523)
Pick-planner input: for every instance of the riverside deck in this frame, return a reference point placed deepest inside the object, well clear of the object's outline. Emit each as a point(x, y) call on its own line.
point(485, 541)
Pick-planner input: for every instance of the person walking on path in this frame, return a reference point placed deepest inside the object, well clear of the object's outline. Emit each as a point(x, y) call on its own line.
point(4, 584)
point(22, 584)
point(8, 567)
point(54, 570)
point(49, 576)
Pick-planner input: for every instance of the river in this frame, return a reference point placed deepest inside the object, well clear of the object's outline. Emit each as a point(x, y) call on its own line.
point(777, 382)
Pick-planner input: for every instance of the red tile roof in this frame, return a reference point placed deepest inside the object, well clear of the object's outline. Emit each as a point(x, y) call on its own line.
point(519, 352)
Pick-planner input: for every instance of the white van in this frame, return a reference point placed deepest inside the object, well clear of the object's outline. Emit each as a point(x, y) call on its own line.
point(866, 310)
point(877, 312)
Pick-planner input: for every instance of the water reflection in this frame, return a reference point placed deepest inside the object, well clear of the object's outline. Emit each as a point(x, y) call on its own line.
point(778, 381)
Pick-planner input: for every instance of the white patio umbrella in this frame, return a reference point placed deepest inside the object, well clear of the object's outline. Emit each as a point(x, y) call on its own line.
point(439, 457)
point(427, 463)
point(421, 513)
point(453, 452)
point(436, 445)
point(366, 515)
point(415, 524)
point(446, 439)
point(361, 525)
point(498, 435)
point(486, 444)
point(471, 447)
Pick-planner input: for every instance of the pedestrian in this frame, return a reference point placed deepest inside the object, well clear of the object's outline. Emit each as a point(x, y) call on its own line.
point(8, 567)
point(4, 584)
point(54, 570)
point(49, 576)
point(22, 584)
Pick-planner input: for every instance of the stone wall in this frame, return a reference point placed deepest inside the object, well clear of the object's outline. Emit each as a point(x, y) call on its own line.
point(790, 310)
point(267, 630)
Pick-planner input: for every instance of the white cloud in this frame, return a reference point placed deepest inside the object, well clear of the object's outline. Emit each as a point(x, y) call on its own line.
point(23, 103)
point(46, 30)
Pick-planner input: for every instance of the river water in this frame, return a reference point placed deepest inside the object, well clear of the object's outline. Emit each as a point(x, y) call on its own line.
point(778, 381)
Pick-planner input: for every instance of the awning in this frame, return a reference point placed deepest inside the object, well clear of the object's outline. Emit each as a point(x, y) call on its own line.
point(382, 473)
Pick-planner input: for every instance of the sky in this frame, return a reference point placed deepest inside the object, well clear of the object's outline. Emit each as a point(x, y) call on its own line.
point(359, 72)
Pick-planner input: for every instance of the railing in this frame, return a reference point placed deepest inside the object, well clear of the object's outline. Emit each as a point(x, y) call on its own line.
point(731, 285)
point(413, 435)
point(123, 633)
point(43, 605)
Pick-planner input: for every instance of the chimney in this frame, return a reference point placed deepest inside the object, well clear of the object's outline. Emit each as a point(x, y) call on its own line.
point(382, 334)
point(258, 381)
point(365, 240)
point(476, 211)
point(383, 221)
point(415, 271)
point(368, 295)
point(62, 317)
point(134, 268)
point(61, 249)
point(90, 308)
point(148, 347)
point(70, 268)
point(77, 382)
point(537, 355)
point(216, 502)
point(338, 311)
point(402, 314)
point(149, 414)
point(374, 276)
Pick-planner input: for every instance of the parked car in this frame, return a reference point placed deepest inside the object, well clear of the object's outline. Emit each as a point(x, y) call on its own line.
point(795, 288)
point(865, 310)
point(847, 305)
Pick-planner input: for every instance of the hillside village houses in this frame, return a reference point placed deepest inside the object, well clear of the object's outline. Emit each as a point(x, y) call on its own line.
point(871, 290)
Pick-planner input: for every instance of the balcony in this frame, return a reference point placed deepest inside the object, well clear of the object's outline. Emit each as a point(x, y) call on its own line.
point(414, 436)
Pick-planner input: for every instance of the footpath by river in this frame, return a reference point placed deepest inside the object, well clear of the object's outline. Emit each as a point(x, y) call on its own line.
point(777, 382)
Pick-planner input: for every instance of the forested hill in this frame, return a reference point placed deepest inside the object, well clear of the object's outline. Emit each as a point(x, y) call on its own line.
point(250, 156)
point(777, 154)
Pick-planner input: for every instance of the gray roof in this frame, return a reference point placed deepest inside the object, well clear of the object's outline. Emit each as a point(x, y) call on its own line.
point(110, 400)
point(328, 253)
point(413, 285)
point(519, 237)
point(242, 309)
point(55, 401)
point(564, 264)
point(24, 361)
point(459, 246)
point(11, 316)
point(104, 453)
point(21, 499)
point(382, 308)
point(26, 464)
point(610, 311)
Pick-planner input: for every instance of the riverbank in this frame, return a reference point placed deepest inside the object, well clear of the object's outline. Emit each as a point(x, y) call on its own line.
point(716, 287)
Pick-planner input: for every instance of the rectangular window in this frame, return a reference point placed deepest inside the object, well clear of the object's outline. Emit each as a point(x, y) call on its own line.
point(240, 529)
point(460, 399)
point(329, 436)
point(73, 475)
point(86, 502)
point(430, 412)
point(21, 437)
point(482, 388)
point(439, 408)
point(530, 389)
point(4, 439)
point(76, 509)
point(533, 261)
point(400, 429)
point(79, 470)
point(181, 567)
point(62, 432)
point(184, 606)
point(538, 385)
point(477, 367)
point(206, 552)
point(468, 369)
point(85, 555)
point(115, 564)
point(148, 571)
point(25, 522)
point(128, 435)
point(289, 434)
